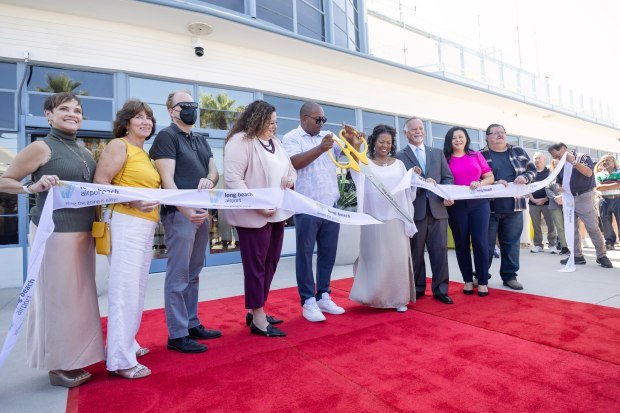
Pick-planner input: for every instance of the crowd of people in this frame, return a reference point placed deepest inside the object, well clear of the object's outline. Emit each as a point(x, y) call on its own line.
point(64, 329)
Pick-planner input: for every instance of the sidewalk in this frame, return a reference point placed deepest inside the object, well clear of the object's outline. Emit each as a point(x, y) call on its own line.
point(28, 390)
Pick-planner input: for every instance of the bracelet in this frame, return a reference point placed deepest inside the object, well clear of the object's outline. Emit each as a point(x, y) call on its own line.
point(27, 189)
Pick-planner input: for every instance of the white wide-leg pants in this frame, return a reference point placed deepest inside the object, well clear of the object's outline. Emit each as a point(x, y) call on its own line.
point(132, 241)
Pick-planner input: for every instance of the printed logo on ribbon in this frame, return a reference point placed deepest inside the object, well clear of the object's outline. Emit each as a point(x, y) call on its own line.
point(66, 190)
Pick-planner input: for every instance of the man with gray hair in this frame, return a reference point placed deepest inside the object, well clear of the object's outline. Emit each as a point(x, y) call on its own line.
point(539, 207)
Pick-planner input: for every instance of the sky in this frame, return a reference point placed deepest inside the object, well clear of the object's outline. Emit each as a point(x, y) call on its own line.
point(573, 42)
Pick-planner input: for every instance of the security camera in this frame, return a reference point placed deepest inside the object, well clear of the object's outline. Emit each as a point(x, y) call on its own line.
point(198, 46)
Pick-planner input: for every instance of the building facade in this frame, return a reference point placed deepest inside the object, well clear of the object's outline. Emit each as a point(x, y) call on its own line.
point(284, 51)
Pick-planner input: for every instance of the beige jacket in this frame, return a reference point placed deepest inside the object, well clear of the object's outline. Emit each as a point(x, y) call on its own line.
point(245, 168)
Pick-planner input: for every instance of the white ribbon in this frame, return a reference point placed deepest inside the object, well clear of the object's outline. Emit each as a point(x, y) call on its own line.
point(78, 195)
point(568, 209)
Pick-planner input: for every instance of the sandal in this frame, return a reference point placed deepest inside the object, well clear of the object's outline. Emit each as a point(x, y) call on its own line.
point(142, 351)
point(136, 372)
point(68, 378)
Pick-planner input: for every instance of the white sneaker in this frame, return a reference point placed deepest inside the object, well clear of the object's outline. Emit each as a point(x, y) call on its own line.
point(553, 250)
point(402, 309)
point(311, 311)
point(327, 305)
point(537, 249)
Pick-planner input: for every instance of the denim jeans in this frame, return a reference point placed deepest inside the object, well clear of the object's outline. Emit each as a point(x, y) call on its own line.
point(507, 228)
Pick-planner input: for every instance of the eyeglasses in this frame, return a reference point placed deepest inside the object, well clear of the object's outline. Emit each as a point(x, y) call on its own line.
point(319, 120)
point(501, 132)
point(186, 105)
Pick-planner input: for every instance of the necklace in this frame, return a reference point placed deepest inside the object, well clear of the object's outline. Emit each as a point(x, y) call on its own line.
point(381, 163)
point(86, 170)
point(270, 147)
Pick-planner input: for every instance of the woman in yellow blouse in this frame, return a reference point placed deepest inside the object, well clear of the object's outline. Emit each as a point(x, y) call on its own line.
point(125, 163)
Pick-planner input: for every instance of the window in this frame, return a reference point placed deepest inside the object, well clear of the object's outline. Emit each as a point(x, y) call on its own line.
point(310, 19)
point(220, 107)
point(278, 12)
point(346, 24)
point(8, 202)
point(336, 116)
point(236, 5)
point(95, 90)
point(288, 112)
point(8, 84)
point(372, 119)
point(304, 17)
point(155, 93)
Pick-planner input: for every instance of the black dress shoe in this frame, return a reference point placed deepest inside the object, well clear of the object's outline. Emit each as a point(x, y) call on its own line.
point(419, 294)
point(270, 319)
point(201, 333)
point(186, 345)
point(468, 292)
point(578, 260)
point(483, 293)
point(444, 298)
point(271, 331)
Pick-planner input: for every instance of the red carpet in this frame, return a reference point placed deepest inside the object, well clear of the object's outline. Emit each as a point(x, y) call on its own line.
point(507, 352)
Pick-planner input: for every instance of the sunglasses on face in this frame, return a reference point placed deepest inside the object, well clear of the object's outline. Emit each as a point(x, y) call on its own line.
point(319, 120)
point(186, 105)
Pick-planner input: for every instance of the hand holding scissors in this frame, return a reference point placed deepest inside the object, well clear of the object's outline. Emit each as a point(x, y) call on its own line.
point(350, 142)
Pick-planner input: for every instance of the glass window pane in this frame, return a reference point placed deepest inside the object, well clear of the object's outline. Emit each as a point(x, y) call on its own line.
point(440, 130)
point(316, 3)
point(512, 140)
point(340, 17)
point(286, 125)
point(337, 115)
point(8, 76)
point(236, 5)
point(8, 225)
point(219, 107)
point(50, 80)
point(94, 109)
point(154, 91)
point(278, 12)
point(372, 119)
point(286, 108)
point(8, 202)
point(7, 114)
point(310, 21)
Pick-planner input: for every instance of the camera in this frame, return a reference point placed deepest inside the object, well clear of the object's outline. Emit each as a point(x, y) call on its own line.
point(199, 49)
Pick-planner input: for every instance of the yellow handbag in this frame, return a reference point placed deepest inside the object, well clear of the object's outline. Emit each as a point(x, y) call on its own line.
point(101, 234)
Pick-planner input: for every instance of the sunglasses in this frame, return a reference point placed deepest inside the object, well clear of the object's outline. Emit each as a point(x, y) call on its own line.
point(186, 105)
point(319, 120)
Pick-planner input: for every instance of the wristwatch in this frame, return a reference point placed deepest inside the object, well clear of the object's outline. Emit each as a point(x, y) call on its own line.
point(27, 186)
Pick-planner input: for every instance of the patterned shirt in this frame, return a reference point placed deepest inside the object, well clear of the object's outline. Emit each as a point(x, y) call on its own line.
point(318, 180)
point(522, 165)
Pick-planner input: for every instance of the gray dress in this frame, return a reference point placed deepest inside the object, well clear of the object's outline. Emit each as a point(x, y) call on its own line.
point(64, 327)
point(383, 271)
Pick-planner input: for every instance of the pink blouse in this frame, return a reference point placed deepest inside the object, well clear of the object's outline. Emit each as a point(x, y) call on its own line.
point(468, 168)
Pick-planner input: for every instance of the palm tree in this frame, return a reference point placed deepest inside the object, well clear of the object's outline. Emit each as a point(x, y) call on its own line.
point(218, 112)
point(61, 83)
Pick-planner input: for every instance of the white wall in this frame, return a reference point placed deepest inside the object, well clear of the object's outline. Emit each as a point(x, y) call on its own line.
point(242, 56)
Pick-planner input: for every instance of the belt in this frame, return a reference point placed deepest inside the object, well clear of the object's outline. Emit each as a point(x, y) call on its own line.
point(577, 193)
point(611, 196)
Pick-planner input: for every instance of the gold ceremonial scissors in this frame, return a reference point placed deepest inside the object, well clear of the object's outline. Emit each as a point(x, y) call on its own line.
point(358, 161)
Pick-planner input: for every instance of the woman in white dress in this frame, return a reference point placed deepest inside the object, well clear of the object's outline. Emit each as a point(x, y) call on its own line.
point(383, 272)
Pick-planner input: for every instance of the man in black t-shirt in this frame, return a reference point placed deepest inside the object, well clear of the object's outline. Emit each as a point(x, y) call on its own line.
point(184, 161)
point(581, 186)
point(539, 207)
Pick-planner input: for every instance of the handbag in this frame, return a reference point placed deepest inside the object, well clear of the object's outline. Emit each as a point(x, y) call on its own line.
point(101, 234)
point(101, 228)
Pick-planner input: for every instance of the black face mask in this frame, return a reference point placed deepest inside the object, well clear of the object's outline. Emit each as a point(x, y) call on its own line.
point(188, 113)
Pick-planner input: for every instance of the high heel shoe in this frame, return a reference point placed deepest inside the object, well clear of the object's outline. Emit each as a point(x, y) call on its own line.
point(468, 292)
point(271, 331)
point(69, 378)
point(270, 319)
point(482, 293)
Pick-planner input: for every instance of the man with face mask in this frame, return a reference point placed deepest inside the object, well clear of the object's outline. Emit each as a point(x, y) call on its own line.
point(184, 161)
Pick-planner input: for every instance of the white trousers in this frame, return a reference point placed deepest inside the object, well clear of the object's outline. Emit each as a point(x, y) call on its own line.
point(132, 241)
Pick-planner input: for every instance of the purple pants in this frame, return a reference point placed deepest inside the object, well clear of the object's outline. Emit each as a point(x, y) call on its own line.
point(260, 252)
